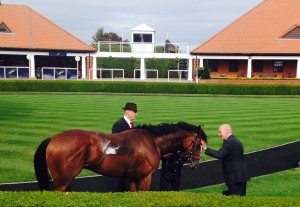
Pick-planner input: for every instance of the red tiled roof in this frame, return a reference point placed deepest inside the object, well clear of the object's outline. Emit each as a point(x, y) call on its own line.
point(30, 30)
point(259, 31)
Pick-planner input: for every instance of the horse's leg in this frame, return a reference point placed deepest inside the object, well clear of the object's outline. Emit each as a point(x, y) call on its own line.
point(63, 174)
point(62, 181)
point(61, 186)
point(132, 185)
point(142, 184)
point(145, 183)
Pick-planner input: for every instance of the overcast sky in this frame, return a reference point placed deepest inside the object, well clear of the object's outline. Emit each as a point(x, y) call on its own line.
point(189, 21)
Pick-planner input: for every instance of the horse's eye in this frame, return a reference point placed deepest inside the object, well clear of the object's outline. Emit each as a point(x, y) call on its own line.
point(198, 146)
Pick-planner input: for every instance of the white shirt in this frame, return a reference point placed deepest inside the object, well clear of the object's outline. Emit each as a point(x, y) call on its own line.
point(128, 121)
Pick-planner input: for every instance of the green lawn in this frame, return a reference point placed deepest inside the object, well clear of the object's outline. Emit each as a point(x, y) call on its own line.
point(280, 184)
point(27, 119)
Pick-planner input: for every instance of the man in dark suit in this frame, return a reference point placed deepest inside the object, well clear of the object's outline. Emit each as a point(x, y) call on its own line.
point(171, 166)
point(235, 170)
point(124, 123)
point(170, 174)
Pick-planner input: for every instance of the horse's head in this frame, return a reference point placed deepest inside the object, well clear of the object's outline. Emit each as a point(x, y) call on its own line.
point(192, 147)
point(186, 136)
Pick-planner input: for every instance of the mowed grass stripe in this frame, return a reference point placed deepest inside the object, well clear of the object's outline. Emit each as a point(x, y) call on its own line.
point(280, 184)
point(27, 119)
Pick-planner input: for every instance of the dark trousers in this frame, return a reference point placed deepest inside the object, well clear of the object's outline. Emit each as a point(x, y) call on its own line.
point(123, 185)
point(170, 183)
point(236, 189)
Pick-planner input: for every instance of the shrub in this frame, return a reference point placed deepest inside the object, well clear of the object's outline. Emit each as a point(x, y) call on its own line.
point(144, 87)
point(138, 199)
point(206, 71)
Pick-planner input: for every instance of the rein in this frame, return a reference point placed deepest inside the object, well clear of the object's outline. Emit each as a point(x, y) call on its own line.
point(192, 152)
point(188, 156)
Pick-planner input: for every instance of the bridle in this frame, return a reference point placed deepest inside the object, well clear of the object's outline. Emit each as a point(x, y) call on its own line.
point(192, 153)
point(183, 156)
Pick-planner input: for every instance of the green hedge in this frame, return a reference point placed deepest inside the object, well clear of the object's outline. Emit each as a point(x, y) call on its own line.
point(145, 87)
point(139, 199)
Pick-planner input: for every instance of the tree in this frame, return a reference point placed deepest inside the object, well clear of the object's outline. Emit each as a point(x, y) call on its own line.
point(99, 36)
point(199, 72)
point(206, 71)
point(103, 36)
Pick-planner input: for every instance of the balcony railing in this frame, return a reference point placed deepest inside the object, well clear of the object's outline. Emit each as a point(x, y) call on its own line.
point(159, 47)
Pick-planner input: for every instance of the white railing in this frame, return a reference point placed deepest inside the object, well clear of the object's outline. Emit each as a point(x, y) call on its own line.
point(159, 47)
point(14, 72)
point(178, 71)
point(49, 73)
point(146, 70)
point(106, 69)
point(118, 46)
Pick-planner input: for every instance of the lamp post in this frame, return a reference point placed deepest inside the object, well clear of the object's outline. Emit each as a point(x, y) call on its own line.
point(77, 58)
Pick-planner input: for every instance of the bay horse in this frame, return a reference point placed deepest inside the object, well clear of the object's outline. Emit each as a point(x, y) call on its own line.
point(134, 154)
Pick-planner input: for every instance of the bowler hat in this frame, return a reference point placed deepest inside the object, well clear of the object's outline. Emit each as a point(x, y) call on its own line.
point(130, 106)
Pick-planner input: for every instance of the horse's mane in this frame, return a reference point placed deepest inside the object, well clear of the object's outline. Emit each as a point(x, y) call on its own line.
point(167, 128)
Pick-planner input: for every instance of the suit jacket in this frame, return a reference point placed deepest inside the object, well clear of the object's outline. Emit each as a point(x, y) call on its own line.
point(120, 125)
point(171, 167)
point(233, 163)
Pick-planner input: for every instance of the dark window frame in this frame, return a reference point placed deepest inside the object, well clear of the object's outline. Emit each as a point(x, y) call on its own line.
point(213, 65)
point(258, 66)
point(233, 66)
point(140, 37)
point(278, 66)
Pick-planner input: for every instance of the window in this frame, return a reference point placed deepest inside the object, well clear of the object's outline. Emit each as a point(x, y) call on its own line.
point(4, 28)
point(142, 37)
point(233, 66)
point(258, 66)
point(213, 65)
point(278, 66)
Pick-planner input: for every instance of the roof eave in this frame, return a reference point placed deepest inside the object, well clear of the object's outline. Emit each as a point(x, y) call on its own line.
point(243, 54)
point(46, 50)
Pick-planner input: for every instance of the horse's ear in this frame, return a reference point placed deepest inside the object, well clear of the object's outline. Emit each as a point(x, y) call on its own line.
point(204, 136)
point(201, 132)
point(201, 126)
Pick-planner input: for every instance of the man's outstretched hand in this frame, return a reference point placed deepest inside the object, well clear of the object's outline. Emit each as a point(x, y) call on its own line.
point(203, 143)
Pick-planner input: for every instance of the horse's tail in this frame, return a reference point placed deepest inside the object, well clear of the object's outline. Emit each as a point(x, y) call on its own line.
point(40, 166)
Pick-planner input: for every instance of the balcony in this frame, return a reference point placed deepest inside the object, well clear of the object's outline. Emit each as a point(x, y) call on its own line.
point(142, 47)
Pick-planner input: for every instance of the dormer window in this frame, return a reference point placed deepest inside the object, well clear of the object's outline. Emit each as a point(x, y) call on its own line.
point(292, 34)
point(4, 28)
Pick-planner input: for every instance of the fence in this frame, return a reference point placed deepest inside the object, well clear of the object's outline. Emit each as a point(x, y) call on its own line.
point(54, 73)
point(159, 47)
point(146, 70)
point(179, 73)
point(14, 72)
point(100, 70)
